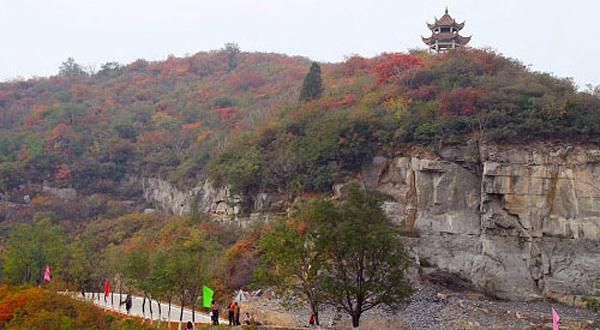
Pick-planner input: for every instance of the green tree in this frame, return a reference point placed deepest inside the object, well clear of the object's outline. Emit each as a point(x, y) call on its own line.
point(11, 176)
point(162, 281)
point(110, 69)
point(366, 263)
point(312, 87)
point(292, 263)
point(29, 248)
point(232, 50)
point(82, 264)
point(137, 270)
point(70, 68)
point(239, 167)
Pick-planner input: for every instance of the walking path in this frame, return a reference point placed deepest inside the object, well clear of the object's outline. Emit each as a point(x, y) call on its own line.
point(136, 308)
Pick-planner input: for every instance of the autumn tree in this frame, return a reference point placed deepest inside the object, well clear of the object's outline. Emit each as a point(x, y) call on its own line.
point(30, 248)
point(312, 87)
point(365, 262)
point(292, 263)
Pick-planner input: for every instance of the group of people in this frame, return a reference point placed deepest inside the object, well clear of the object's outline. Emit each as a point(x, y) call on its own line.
point(233, 314)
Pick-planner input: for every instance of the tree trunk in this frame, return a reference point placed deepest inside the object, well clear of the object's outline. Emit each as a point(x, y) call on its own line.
point(194, 297)
point(181, 315)
point(159, 313)
point(150, 307)
point(144, 308)
point(355, 319)
point(315, 310)
point(169, 314)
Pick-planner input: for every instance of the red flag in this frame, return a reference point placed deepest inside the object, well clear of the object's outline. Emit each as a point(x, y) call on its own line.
point(555, 319)
point(106, 288)
point(47, 276)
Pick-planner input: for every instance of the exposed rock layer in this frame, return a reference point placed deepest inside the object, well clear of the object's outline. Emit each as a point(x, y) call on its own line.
point(519, 222)
point(523, 223)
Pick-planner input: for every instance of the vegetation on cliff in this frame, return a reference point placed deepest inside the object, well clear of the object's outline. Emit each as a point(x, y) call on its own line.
point(236, 116)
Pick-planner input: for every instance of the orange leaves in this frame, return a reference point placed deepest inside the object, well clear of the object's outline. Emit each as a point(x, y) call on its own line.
point(245, 80)
point(63, 173)
point(298, 225)
point(354, 65)
point(17, 300)
point(226, 114)
point(460, 101)
point(391, 67)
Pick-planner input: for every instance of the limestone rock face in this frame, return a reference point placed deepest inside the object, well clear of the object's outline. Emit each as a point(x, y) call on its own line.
point(215, 202)
point(518, 222)
point(523, 223)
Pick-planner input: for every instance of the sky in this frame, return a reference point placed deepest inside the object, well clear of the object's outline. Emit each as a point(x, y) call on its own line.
point(38, 35)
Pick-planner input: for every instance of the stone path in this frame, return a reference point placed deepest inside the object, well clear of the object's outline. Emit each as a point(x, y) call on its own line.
point(136, 309)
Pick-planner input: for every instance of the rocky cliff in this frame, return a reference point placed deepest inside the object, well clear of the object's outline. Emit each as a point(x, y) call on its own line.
point(519, 222)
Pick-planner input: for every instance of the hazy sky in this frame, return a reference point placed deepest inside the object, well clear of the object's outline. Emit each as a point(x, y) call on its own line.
point(37, 35)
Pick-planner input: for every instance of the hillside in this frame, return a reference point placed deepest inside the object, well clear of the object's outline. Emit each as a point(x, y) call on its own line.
point(488, 170)
point(236, 117)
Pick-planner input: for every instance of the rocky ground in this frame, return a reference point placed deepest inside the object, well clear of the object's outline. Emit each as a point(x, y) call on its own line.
point(432, 307)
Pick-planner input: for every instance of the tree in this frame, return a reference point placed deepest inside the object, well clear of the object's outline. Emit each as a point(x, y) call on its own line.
point(110, 69)
point(593, 90)
point(137, 270)
point(292, 262)
point(70, 68)
point(162, 281)
point(82, 264)
point(29, 248)
point(365, 261)
point(232, 50)
point(11, 176)
point(312, 88)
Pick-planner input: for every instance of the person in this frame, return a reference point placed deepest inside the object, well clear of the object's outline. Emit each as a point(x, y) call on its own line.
point(231, 314)
point(236, 314)
point(128, 303)
point(215, 312)
point(189, 325)
point(247, 319)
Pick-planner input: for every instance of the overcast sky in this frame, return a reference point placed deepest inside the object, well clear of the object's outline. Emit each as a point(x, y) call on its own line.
point(37, 35)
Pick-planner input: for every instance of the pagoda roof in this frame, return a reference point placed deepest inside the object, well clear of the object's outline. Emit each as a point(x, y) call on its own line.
point(447, 37)
point(445, 21)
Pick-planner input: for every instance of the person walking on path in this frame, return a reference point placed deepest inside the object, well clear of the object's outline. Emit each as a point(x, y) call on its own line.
point(128, 303)
point(247, 319)
point(236, 314)
point(231, 314)
point(214, 308)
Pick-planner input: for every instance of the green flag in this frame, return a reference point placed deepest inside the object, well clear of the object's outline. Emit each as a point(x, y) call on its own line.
point(207, 296)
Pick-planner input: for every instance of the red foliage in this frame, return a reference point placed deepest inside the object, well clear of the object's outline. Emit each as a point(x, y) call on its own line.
point(392, 66)
point(16, 301)
point(226, 114)
point(5, 95)
point(242, 81)
point(459, 101)
point(63, 173)
point(191, 126)
point(62, 137)
point(354, 65)
point(155, 137)
point(424, 93)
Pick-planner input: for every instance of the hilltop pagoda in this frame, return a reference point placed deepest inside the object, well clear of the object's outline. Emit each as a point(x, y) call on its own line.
point(445, 34)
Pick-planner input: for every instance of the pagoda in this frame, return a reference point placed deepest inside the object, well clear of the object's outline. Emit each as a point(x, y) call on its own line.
point(445, 34)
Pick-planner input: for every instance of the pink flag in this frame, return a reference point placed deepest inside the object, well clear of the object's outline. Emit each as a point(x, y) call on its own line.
point(555, 320)
point(47, 276)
